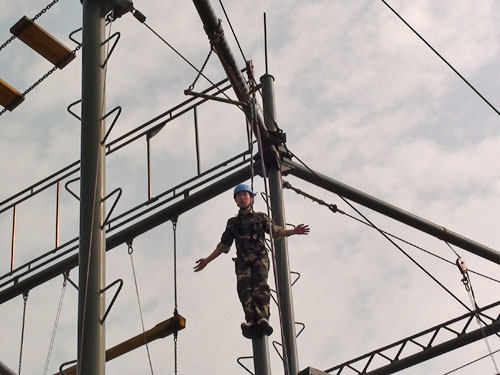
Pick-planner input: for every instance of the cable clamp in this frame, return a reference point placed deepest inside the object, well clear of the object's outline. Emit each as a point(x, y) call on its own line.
point(130, 248)
point(465, 275)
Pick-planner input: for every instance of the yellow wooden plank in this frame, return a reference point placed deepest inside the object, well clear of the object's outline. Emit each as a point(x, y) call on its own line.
point(42, 42)
point(10, 98)
point(161, 330)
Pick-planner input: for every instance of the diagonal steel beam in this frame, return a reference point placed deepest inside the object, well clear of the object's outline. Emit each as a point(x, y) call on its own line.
point(392, 211)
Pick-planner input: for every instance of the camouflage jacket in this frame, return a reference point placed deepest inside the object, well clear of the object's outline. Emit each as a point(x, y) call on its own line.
point(248, 231)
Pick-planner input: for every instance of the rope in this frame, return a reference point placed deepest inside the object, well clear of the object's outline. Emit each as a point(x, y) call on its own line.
point(442, 58)
point(130, 252)
point(56, 324)
point(174, 227)
point(25, 298)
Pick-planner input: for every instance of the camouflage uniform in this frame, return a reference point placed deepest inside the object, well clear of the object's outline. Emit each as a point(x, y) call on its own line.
point(251, 262)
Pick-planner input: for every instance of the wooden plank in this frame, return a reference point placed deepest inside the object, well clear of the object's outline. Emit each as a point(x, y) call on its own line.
point(42, 42)
point(10, 98)
point(161, 330)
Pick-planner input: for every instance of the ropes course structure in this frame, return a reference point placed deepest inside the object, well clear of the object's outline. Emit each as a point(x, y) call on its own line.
point(272, 160)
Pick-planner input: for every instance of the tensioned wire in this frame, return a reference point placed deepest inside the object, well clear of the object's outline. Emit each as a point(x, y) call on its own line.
point(442, 58)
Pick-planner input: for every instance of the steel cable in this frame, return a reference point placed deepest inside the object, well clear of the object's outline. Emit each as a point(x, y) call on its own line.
point(334, 209)
point(442, 58)
point(393, 243)
point(232, 30)
point(25, 298)
point(56, 324)
point(130, 252)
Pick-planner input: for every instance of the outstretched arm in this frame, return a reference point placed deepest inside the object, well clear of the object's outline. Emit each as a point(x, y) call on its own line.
point(299, 229)
point(202, 263)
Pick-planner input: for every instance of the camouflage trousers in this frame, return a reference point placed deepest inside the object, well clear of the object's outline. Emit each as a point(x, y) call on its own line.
point(253, 291)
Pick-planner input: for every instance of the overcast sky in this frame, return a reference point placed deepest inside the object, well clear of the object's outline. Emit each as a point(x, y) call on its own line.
point(361, 99)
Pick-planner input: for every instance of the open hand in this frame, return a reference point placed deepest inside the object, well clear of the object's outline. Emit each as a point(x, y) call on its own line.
point(201, 263)
point(302, 229)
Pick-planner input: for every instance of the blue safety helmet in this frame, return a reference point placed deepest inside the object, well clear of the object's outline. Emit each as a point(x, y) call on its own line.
point(243, 187)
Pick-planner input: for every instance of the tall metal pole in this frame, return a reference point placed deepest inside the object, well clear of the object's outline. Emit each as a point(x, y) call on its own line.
point(261, 358)
point(281, 247)
point(91, 304)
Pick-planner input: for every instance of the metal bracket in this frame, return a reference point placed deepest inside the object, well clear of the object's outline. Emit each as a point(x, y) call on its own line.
point(120, 281)
point(302, 329)
point(275, 343)
point(73, 113)
point(66, 186)
point(119, 191)
point(297, 279)
point(66, 277)
point(119, 109)
point(79, 44)
point(61, 371)
point(242, 365)
point(117, 35)
point(277, 351)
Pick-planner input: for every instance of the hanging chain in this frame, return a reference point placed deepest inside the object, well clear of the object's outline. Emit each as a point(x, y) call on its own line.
point(38, 15)
point(191, 87)
point(40, 80)
point(7, 42)
point(25, 298)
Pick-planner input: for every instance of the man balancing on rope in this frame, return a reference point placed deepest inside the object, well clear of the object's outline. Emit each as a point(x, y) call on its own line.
point(248, 230)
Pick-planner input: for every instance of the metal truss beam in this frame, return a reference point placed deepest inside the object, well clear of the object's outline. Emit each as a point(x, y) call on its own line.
point(132, 231)
point(400, 361)
point(394, 212)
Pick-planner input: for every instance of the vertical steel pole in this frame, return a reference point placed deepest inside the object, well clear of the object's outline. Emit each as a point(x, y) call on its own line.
point(13, 241)
point(91, 304)
point(261, 360)
point(281, 247)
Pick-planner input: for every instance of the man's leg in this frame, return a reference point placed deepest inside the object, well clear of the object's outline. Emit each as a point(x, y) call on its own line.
point(244, 287)
point(261, 291)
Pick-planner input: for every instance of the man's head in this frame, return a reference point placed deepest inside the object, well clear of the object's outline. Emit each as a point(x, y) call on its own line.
point(243, 195)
